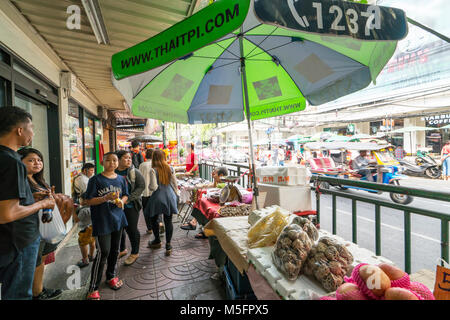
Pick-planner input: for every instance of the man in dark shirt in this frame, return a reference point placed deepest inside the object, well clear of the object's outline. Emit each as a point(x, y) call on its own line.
point(136, 156)
point(19, 222)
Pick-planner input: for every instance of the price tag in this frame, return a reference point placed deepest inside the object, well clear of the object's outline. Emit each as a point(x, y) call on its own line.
point(332, 17)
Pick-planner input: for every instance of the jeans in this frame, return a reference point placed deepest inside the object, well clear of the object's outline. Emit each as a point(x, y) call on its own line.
point(16, 278)
point(132, 230)
point(446, 166)
point(167, 223)
point(107, 253)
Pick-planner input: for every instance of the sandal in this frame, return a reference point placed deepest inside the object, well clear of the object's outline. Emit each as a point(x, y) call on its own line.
point(93, 295)
point(200, 235)
point(82, 263)
point(188, 226)
point(115, 283)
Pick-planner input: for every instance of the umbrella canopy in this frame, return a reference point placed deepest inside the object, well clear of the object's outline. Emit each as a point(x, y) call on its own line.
point(209, 86)
point(146, 138)
point(412, 129)
point(338, 138)
point(295, 138)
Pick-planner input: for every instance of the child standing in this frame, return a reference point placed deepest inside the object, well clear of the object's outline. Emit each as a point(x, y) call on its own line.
point(106, 194)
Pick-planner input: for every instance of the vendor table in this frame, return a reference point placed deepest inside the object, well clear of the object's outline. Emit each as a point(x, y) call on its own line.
point(231, 234)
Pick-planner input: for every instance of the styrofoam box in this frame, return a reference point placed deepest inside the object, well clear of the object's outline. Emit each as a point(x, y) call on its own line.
point(291, 198)
point(285, 176)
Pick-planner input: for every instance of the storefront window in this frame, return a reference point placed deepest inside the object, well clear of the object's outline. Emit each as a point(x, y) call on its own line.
point(89, 140)
point(375, 127)
point(397, 138)
point(40, 127)
point(75, 139)
point(4, 57)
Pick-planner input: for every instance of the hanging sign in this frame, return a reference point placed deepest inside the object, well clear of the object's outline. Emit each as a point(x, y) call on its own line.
point(208, 25)
point(338, 18)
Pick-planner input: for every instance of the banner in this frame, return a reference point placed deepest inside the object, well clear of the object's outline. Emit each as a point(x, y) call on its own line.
point(208, 25)
point(337, 18)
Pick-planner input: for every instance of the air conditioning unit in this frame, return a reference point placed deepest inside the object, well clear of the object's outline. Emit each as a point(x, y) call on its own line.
point(68, 81)
point(102, 112)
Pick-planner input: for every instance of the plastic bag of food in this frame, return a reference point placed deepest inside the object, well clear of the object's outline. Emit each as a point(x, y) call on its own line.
point(328, 261)
point(265, 231)
point(291, 250)
point(308, 227)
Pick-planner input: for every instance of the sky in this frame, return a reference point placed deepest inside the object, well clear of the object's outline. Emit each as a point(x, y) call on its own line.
point(431, 13)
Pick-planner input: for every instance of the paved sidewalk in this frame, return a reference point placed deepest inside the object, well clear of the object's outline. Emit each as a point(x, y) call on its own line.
point(185, 275)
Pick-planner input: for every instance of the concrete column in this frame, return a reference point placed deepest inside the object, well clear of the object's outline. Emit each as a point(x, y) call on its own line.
point(63, 112)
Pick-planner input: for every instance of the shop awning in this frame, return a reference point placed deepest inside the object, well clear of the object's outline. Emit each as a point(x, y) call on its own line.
point(126, 22)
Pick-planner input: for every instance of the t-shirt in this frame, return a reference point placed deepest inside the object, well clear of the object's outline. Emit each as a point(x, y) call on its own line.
point(14, 185)
point(190, 162)
point(124, 174)
point(106, 217)
point(360, 163)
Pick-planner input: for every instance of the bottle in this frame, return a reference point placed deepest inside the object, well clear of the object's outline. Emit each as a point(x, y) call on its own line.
point(47, 215)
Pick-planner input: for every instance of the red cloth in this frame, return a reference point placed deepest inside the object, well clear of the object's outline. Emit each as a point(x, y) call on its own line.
point(190, 162)
point(208, 208)
point(50, 258)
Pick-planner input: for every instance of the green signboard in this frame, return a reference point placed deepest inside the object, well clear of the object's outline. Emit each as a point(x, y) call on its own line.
point(206, 26)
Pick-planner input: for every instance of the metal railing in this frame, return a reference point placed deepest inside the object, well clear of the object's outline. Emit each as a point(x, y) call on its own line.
point(407, 210)
point(206, 168)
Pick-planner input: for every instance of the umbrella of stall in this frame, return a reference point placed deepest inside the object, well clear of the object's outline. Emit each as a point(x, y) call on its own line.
point(146, 138)
point(232, 59)
point(338, 138)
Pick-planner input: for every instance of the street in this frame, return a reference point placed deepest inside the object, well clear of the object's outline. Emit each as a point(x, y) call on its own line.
point(425, 236)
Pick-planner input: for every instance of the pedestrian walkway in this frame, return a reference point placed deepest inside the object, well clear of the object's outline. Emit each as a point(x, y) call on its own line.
point(185, 275)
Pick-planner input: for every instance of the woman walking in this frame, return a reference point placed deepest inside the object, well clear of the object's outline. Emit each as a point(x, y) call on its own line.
point(34, 161)
point(445, 159)
point(162, 201)
point(136, 185)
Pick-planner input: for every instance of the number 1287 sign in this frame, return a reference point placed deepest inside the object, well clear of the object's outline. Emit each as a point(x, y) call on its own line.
point(334, 17)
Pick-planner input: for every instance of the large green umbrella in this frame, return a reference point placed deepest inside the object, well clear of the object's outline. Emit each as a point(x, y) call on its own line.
point(223, 61)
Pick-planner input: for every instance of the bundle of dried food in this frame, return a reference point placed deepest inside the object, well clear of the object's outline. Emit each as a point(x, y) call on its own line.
point(328, 261)
point(235, 211)
point(265, 231)
point(291, 250)
point(308, 227)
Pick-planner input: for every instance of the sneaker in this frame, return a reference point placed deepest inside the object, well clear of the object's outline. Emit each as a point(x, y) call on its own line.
point(154, 244)
point(48, 294)
point(131, 259)
point(82, 263)
point(168, 249)
point(123, 253)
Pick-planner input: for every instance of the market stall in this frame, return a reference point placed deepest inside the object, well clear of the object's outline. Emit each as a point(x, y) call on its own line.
point(274, 254)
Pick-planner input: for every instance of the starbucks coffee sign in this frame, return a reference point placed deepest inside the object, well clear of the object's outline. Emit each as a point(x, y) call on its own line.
point(438, 119)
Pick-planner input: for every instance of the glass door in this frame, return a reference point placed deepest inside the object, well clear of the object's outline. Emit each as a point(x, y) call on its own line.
point(40, 127)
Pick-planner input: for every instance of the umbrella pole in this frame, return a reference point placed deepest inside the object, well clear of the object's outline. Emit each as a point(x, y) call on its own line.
point(249, 122)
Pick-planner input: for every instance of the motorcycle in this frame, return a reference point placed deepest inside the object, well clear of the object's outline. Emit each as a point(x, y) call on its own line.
point(433, 169)
point(419, 170)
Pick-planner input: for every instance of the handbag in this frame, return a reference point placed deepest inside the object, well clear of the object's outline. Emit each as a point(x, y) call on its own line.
point(442, 283)
point(53, 231)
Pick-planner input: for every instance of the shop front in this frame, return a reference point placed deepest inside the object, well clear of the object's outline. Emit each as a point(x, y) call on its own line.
point(22, 86)
point(437, 137)
point(85, 132)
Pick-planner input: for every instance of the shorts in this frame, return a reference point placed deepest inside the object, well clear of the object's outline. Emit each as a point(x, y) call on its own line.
point(45, 248)
point(85, 237)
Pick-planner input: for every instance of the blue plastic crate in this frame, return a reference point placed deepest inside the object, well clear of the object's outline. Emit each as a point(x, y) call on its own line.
point(231, 291)
point(240, 282)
